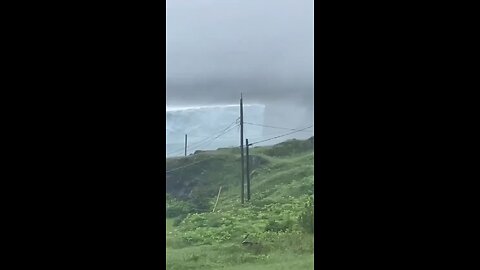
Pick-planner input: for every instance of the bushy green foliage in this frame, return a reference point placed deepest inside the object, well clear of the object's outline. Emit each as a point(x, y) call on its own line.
point(275, 226)
point(202, 179)
point(289, 148)
point(201, 203)
point(176, 208)
point(306, 219)
point(220, 227)
point(178, 220)
point(278, 219)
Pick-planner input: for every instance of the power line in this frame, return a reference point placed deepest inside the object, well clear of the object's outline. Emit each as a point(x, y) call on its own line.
point(221, 133)
point(219, 136)
point(281, 135)
point(188, 165)
point(203, 159)
point(191, 164)
point(206, 142)
point(269, 126)
point(198, 143)
point(278, 132)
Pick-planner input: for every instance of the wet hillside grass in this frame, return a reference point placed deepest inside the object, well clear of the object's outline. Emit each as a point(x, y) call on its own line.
point(278, 219)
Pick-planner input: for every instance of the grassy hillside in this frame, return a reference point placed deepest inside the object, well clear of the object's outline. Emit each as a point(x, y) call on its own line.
point(277, 222)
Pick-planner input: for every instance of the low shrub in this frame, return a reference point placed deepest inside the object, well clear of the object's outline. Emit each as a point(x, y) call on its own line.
point(275, 226)
point(306, 219)
point(176, 208)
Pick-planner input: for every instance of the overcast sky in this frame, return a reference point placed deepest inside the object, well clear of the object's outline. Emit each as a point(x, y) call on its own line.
point(263, 48)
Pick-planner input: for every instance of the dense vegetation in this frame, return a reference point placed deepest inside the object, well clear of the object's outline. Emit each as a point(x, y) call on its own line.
point(274, 230)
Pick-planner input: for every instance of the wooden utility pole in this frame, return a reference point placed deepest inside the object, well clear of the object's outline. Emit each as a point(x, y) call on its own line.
point(248, 171)
point(218, 196)
point(241, 147)
point(185, 144)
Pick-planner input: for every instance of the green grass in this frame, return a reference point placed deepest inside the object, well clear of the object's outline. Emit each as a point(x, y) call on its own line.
point(280, 261)
point(281, 183)
point(232, 256)
point(170, 224)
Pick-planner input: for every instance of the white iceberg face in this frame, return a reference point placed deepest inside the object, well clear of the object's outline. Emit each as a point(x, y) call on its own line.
point(203, 123)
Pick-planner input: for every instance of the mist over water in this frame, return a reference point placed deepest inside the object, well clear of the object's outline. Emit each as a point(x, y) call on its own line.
point(218, 49)
point(210, 127)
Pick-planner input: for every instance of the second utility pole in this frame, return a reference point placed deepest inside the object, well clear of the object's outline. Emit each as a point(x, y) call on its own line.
point(185, 144)
point(241, 146)
point(248, 171)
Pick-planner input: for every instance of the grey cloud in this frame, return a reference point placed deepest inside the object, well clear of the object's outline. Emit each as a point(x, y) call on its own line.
point(263, 48)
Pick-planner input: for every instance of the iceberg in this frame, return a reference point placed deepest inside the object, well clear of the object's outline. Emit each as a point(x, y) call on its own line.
point(210, 127)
